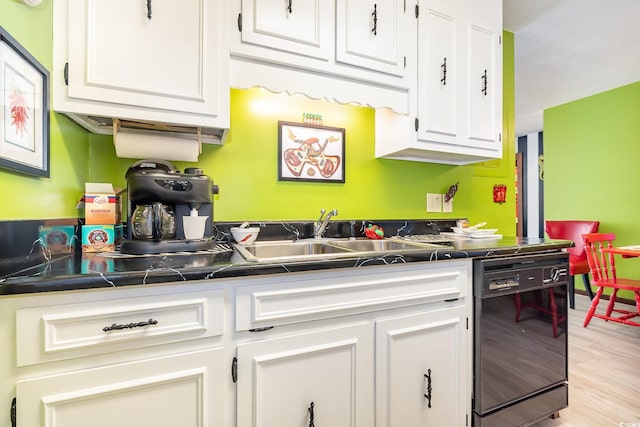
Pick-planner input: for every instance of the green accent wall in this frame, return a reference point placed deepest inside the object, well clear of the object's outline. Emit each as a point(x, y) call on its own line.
point(245, 168)
point(27, 197)
point(592, 150)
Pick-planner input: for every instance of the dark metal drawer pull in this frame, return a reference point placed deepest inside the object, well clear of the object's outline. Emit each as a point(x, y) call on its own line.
point(443, 69)
point(484, 83)
point(148, 9)
point(374, 14)
point(428, 395)
point(130, 325)
point(311, 415)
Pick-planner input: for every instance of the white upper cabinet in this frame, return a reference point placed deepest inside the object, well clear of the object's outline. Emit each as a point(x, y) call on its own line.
point(290, 26)
point(456, 113)
point(368, 36)
point(159, 61)
point(484, 58)
point(360, 51)
point(438, 64)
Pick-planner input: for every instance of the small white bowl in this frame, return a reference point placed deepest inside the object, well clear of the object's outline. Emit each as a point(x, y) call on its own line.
point(245, 236)
point(482, 232)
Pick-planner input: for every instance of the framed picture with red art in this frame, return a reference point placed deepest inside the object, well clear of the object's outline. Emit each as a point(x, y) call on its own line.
point(24, 105)
point(309, 152)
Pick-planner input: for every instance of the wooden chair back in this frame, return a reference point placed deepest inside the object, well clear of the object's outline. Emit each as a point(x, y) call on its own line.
point(601, 264)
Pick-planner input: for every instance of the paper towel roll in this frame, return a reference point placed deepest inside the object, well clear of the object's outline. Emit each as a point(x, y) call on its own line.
point(137, 145)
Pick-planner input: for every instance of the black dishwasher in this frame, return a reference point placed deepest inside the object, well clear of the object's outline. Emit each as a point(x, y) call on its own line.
point(520, 338)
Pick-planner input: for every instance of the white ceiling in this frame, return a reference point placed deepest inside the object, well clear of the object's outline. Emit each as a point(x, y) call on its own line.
point(569, 49)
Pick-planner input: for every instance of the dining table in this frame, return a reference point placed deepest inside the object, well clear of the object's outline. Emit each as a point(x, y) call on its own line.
point(626, 251)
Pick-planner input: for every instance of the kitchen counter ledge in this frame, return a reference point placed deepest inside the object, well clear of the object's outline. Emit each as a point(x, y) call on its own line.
point(87, 271)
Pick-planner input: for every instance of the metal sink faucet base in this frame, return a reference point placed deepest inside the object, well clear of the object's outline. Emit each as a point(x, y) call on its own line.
point(321, 224)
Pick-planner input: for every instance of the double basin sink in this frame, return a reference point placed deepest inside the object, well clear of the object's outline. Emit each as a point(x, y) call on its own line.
point(313, 249)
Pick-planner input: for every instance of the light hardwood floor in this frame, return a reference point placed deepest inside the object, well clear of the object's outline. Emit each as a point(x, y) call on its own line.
point(604, 373)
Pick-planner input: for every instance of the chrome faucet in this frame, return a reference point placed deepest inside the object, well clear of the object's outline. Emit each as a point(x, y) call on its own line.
point(321, 224)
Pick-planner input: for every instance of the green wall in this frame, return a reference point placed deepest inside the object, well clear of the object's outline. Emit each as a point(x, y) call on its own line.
point(592, 150)
point(55, 197)
point(245, 168)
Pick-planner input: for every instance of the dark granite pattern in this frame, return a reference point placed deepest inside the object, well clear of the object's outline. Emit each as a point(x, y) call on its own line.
point(32, 270)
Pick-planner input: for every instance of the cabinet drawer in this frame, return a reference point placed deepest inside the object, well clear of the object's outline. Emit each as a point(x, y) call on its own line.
point(62, 332)
point(292, 298)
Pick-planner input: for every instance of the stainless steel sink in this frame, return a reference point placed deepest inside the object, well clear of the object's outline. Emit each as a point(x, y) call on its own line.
point(290, 249)
point(376, 245)
point(312, 249)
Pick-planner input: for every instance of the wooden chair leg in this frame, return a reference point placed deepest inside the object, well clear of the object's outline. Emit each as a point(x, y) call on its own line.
point(592, 307)
point(587, 285)
point(612, 302)
point(572, 292)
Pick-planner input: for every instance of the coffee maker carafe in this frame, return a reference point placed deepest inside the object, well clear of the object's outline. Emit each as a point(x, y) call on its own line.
point(164, 206)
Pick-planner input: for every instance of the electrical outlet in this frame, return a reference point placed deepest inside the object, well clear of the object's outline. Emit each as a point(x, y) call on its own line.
point(434, 202)
point(447, 206)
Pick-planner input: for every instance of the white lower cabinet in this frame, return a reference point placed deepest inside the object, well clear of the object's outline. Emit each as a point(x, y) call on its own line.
point(180, 390)
point(421, 373)
point(357, 347)
point(321, 377)
point(383, 346)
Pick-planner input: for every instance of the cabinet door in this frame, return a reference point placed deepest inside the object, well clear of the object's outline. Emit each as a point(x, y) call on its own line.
point(421, 373)
point(162, 54)
point(302, 27)
point(373, 34)
point(182, 390)
point(485, 74)
point(327, 375)
point(438, 71)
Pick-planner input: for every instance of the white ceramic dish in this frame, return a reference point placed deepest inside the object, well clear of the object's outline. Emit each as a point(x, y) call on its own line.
point(481, 232)
point(245, 236)
point(474, 231)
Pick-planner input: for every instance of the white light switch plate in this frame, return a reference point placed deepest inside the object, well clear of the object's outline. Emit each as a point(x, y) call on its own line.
point(434, 202)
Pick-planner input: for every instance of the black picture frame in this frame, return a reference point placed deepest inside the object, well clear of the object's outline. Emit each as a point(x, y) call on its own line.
point(24, 110)
point(310, 153)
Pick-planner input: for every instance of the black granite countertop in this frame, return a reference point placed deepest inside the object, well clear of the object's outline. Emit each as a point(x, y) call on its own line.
point(96, 270)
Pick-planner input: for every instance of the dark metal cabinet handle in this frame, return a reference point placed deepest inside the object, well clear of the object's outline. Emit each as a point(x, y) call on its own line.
point(130, 325)
point(374, 14)
point(484, 83)
point(14, 421)
point(443, 69)
point(428, 394)
point(311, 415)
point(289, 6)
point(148, 9)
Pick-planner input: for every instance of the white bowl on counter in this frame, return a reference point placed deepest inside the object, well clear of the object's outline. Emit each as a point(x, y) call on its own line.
point(245, 236)
point(474, 231)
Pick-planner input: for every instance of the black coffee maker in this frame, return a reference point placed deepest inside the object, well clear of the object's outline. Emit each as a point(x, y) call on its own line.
point(159, 198)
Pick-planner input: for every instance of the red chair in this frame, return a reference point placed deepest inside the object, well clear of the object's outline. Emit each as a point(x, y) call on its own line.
point(603, 270)
point(573, 230)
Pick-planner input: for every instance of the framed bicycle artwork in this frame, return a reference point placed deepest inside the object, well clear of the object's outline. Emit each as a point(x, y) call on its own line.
point(24, 105)
point(310, 153)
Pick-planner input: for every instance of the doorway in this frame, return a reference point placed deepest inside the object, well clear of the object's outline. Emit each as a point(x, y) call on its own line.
point(530, 185)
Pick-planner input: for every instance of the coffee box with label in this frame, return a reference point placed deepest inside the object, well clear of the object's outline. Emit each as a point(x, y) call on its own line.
point(100, 204)
point(98, 238)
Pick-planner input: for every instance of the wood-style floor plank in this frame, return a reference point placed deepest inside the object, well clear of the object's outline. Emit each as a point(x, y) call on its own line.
point(604, 373)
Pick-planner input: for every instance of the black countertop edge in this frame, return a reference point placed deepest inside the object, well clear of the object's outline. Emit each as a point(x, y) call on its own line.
point(66, 273)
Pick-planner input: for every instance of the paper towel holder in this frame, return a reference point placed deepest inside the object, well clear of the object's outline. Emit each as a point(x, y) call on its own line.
point(146, 140)
point(159, 128)
point(103, 125)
